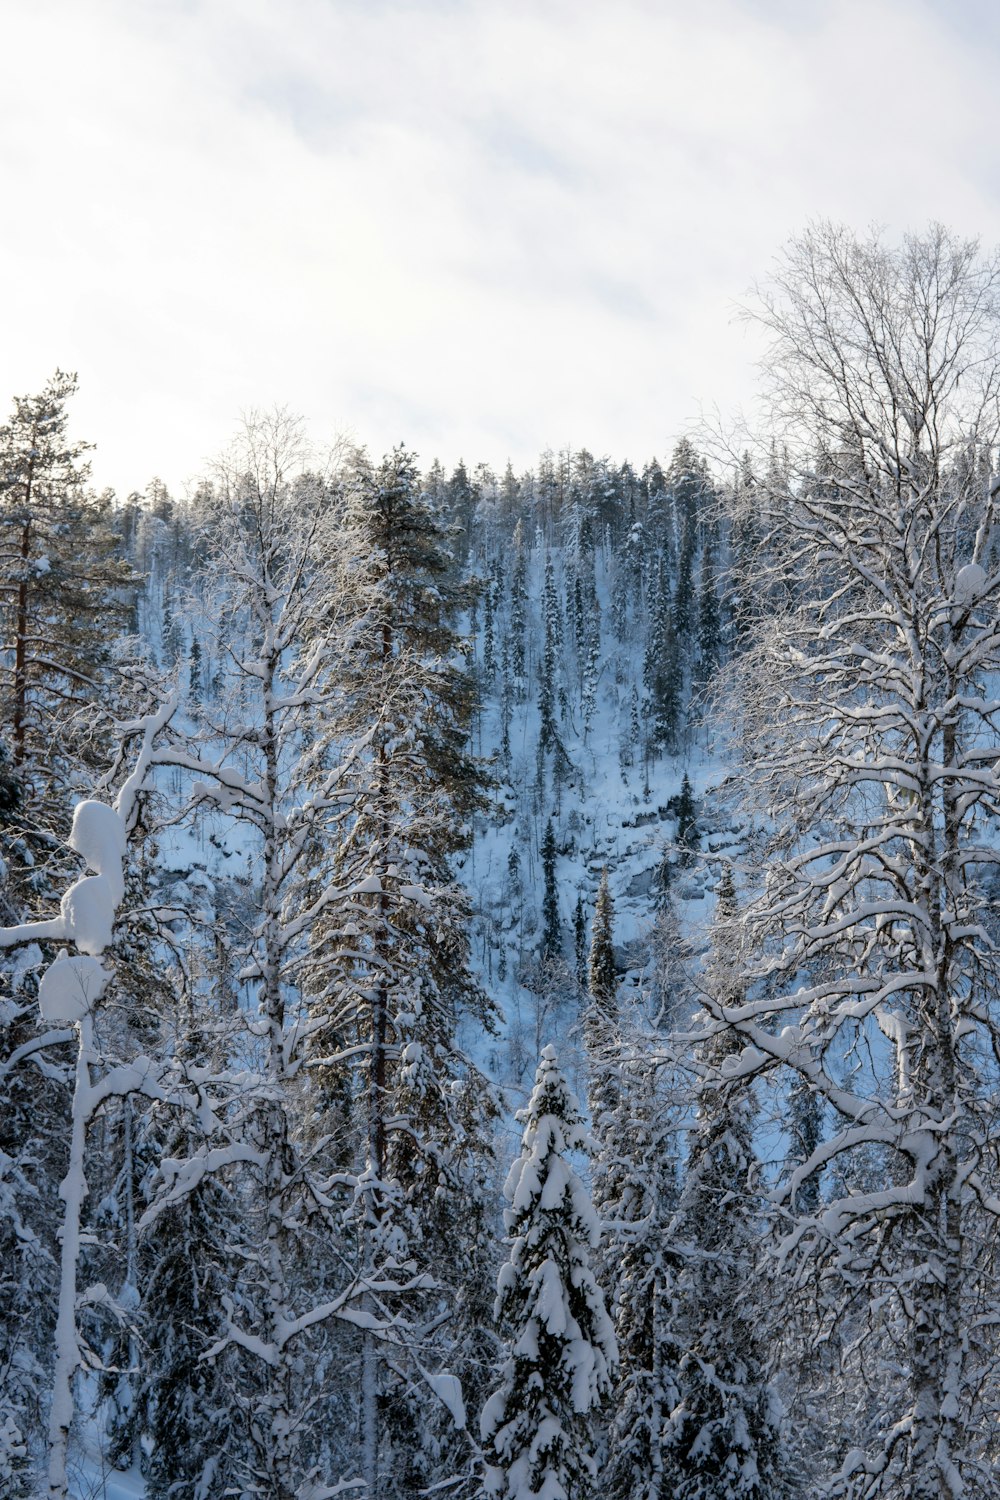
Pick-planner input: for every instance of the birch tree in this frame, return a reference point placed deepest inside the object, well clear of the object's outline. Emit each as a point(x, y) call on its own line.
point(869, 716)
point(70, 990)
point(274, 604)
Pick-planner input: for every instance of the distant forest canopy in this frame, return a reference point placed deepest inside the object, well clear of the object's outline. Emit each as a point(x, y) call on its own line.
point(499, 981)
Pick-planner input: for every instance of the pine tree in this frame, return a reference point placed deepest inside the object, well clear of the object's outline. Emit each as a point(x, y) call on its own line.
point(389, 974)
point(537, 1427)
point(63, 597)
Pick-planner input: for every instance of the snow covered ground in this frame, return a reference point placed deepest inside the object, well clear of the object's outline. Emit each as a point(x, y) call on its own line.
point(90, 1479)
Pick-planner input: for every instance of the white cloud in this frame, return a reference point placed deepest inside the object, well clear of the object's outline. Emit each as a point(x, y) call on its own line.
point(483, 228)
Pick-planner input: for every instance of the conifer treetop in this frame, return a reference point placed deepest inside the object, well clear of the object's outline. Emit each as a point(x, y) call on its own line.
point(562, 1351)
point(602, 978)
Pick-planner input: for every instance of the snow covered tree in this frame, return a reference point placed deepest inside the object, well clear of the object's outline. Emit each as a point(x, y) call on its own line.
point(549, 681)
point(537, 1427)
point(602, 976)
point(688, 837)
point(69, 993)
point(722, 1440)
point(663, 672)
point(636, 1163)
point(518, 605)
point(389, 977)
point(601, 1034)
point(187, 1403)
point(580, 940)
point(551, 923)
point(869, 717)
point(687, 484)
point(277, 613)
point(62, 590)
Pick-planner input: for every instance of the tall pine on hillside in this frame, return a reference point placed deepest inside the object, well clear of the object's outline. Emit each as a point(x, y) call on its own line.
point(389, 968)
point(62, 591)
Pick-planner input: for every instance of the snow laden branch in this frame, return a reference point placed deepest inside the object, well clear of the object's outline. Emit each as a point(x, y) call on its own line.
point(69, 992)
point(868, 716)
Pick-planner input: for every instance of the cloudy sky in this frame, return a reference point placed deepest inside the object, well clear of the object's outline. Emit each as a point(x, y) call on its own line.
point(482, 227)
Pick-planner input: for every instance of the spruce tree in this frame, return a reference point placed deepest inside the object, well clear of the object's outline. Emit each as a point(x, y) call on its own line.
point(551, 688)
point(187, 1400)
point(518, 605)
point(551, 924)
point(687, 822)
point(723, 1437)
point(602, 978)
point(663, 672)
point(636, 1164)
point(580, 940)
point(709, 618)
point(538, 1426)
point(601, 1026)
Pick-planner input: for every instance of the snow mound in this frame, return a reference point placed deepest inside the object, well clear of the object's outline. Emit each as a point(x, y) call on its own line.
point(70, 988)
point(448, 1389)
point(88, 913)
point(970, 581)
point(98, 834)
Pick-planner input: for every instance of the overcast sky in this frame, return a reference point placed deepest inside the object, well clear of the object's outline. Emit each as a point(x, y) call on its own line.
point(480, 228)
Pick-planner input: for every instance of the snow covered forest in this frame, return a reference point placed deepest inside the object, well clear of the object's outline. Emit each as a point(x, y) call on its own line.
point(499, 984)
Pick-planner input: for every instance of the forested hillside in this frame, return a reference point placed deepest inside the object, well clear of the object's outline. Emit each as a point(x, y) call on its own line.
point(499, 980)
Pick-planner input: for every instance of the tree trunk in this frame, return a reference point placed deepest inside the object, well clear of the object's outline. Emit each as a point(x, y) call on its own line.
point(19, 716)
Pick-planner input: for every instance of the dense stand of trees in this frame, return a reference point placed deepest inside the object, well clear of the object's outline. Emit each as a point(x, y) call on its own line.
point(351, 737)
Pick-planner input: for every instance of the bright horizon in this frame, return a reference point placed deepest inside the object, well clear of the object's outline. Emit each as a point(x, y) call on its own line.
point(481, 230)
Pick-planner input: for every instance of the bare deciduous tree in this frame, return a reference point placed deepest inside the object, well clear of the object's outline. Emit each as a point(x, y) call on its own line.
point(870, 718)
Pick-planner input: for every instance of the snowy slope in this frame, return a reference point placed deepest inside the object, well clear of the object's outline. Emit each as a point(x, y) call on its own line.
point(603, 814)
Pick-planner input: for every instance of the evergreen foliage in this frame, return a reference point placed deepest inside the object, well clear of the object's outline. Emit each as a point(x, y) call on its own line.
point(723, 1438)
point(602, 978)
point(64, 597)
point(637, 1175)
point(277, 1231)
point(538, 1426)
point(687, 822)
point(551, 923)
